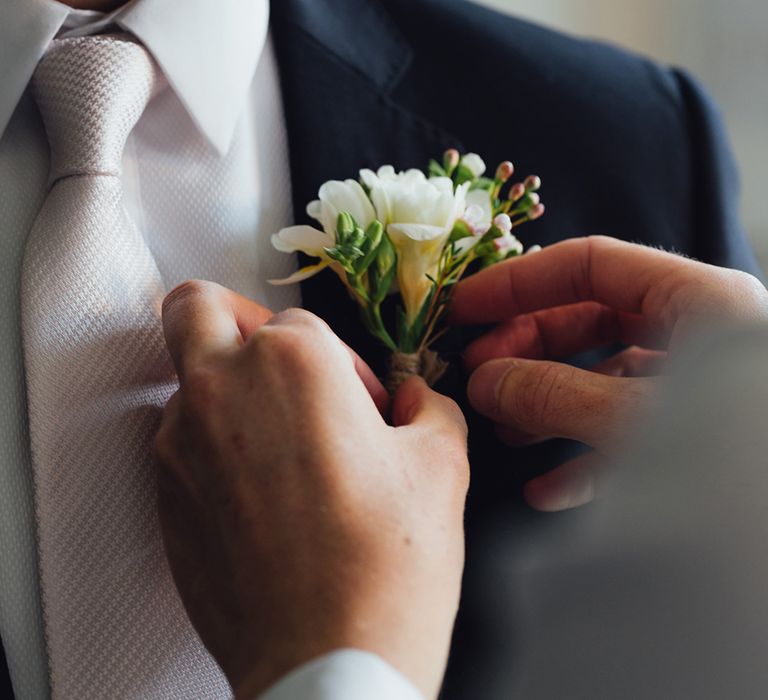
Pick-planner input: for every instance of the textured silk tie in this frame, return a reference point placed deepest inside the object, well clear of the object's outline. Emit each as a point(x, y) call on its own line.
point(97, 374)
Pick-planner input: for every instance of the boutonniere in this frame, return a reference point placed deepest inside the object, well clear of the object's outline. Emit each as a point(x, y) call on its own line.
point(413, 235)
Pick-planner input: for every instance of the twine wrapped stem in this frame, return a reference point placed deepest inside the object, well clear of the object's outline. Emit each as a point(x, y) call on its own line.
point(426, 364)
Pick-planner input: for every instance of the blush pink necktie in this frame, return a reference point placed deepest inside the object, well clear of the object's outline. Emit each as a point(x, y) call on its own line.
point(97, 375)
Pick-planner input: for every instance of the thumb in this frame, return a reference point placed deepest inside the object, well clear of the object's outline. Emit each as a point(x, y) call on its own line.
point(437, 432)
point(550, 399)
point(415, 404)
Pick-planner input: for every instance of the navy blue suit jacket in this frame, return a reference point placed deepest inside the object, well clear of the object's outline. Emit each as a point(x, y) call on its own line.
point(625, 148)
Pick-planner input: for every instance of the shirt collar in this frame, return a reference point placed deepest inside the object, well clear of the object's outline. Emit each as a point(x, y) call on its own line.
point(207, 49)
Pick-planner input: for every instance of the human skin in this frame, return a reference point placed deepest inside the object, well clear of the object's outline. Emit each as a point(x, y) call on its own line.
point(575, 296)
point(296, 520)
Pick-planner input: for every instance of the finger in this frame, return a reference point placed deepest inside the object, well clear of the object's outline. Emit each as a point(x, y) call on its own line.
point(627, 277)
point(312, 323)
point(439, 435)
point(633, 362)
point(201, 319)
point(558, 333)
point(415, 404)
point(549, 399)
point(572, 484)
point(372, 383)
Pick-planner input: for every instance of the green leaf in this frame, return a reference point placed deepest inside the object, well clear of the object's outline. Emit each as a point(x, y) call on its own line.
point(402, 330)
point(345, 227)
point(385, 284)
point(436, 170)
point(463, 174)
point(460, 230)
point(491, 235)
point(482, 183)
point(374, 236)
point(341, 257)
point(383, 270)
point(416, 331)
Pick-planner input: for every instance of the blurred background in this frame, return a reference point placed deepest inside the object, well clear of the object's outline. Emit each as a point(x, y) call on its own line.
point(723, 43)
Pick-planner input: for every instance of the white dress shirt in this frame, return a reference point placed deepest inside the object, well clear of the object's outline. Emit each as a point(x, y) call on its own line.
point(206, 180)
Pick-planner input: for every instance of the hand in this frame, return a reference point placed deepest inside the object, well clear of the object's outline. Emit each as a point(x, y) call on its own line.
point(575, 296)
point(296, 521)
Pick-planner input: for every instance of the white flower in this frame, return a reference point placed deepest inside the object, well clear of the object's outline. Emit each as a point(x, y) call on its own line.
point(474, 163)
point(503, 223)
point(419, 215)
point(477, 217)
point(479, 212)
point(335, 196)
point(508, 244)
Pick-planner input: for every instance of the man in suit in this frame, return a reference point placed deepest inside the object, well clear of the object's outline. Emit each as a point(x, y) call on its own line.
point(625, 147)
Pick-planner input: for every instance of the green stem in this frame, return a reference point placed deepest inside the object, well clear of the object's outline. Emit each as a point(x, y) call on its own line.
point(434, 316)
point(377, 325)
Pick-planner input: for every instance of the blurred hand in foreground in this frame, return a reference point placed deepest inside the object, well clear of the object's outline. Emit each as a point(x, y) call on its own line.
point(575, 296)
point(295, 519)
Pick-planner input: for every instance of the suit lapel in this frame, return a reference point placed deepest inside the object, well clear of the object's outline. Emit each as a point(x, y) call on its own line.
point(339, 62)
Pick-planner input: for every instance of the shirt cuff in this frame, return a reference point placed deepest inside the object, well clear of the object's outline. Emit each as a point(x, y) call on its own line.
point(346, 674)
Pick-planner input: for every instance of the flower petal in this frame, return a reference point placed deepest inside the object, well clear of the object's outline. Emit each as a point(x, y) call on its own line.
point(444, 185)
point(416, 232)
point(348, 196)
point(315, 210)
point(302, 274)
point(369, 178)
point(481, 199)
point(386, 172)
point(474, 163)
point(304, 238)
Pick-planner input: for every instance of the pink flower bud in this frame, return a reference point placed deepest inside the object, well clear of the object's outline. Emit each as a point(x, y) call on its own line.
point(451, 159)
point(535, 212)
point(507, 243)
point(532, 183)
point(534, 198)
point(533, 249)
point(474, 217)
point(504, 171)
point(517, 191)
point(503, 223)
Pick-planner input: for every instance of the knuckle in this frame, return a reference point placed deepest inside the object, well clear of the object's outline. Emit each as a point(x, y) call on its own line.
point(449, 407)
point(301, 322)
point(302, 317)
point(750, 289)
point(294, 341)
point(282, 346)
point(185, 292)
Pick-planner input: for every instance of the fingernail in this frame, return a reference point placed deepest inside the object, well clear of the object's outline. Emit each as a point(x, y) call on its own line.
point(556, 491)
point(484, 385)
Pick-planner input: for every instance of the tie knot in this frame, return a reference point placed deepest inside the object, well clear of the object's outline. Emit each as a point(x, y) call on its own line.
point(91, 91)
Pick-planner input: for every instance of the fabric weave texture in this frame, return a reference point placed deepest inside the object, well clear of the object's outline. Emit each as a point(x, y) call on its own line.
point(97, 377)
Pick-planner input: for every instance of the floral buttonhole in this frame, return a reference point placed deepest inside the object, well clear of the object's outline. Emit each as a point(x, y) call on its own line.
point(414, 235)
